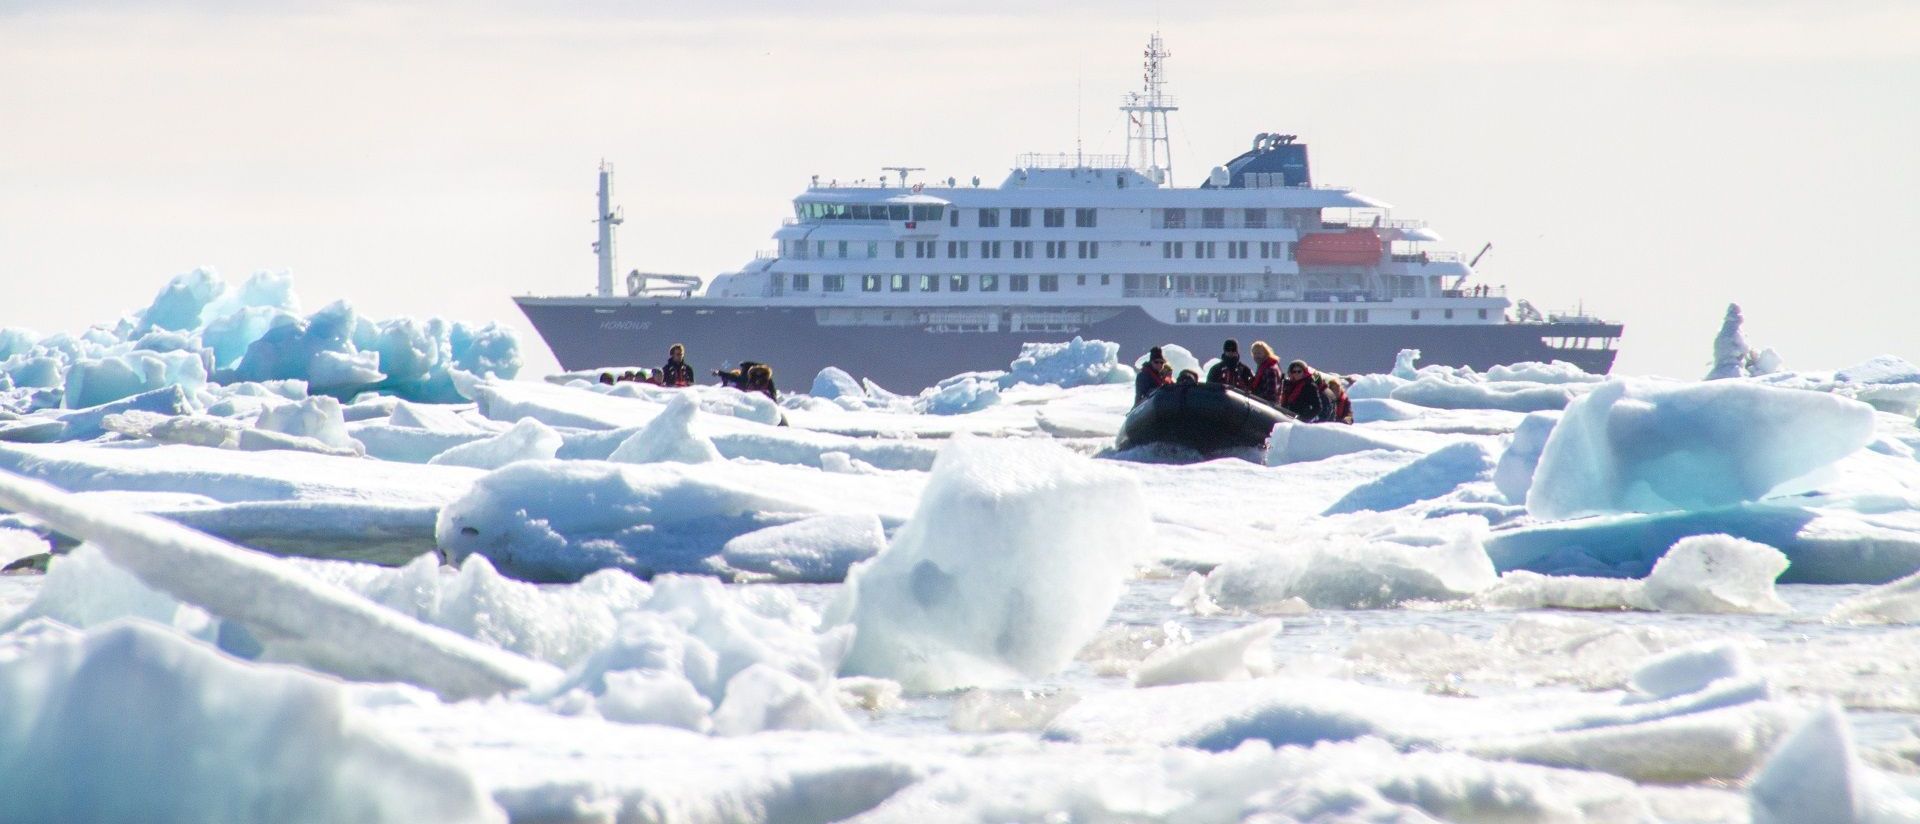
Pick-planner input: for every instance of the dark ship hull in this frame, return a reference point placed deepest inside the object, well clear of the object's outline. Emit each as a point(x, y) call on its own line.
point(585, 333)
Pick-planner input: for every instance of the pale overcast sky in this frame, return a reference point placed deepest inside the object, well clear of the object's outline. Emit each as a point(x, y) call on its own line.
point(1652, 159)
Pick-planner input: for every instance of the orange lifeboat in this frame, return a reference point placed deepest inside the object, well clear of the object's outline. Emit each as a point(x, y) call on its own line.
point(1353, 247)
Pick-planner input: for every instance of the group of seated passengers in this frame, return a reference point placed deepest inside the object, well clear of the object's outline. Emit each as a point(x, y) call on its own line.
point(1310, 395)
point(750, 376)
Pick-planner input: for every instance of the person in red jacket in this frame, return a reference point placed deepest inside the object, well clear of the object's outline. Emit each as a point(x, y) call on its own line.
point(676, 372)
point(1266, 373)
point(1300, 393)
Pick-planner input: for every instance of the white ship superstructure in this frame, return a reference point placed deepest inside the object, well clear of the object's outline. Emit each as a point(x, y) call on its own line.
point(1104, 246)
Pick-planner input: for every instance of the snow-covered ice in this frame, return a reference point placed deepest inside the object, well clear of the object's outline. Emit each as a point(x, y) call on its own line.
point(1528, 594)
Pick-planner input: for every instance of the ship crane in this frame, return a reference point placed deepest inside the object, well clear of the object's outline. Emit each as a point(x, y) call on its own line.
point(1472, 263)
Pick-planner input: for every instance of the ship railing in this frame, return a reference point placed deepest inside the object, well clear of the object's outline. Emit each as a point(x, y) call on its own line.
point(1069, 160)
point(1475, 292)
point(1426, 257)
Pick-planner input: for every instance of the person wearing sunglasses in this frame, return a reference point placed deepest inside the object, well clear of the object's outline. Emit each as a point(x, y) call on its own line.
point(1301, 392)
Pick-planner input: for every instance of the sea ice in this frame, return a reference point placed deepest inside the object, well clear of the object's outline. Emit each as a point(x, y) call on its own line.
point(1294, 442)
point(1363, 563)
point(1514, 473)
point(1074, 363)
point(559, 520)
point(1234, 655)
point(1433, 475)
point(1635, 446)
point(1897, 602)
point(669, 438)
point(1815, 775)
point(1698, 574)
point(266, 743)
point(293, 615)
point(818, 549)
point(1013, 559)
point(1717, 573)
point(317, 417)
point(1445, 391)
point(1691, 669)
point(528, 440)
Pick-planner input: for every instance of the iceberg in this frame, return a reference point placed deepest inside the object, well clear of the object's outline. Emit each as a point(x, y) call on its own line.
point(1013, 559)
point(1633, 446)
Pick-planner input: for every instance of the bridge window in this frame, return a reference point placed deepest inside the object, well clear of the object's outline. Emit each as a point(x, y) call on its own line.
point(898, 212)
point(1053, 218)
point(833, 283)
point(1213, 218)
point(989, 218)
point(1256, 218)
point(1173, 218)
point(989, 283)
point(927, 211)
point(1018, 218)
point(1084, 218)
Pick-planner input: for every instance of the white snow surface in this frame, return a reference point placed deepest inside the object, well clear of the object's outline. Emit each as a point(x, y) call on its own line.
point(203, 738)
point(1448, 653)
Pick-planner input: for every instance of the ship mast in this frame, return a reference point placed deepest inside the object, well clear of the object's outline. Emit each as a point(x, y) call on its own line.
point(609, 218)
point(1148, 148)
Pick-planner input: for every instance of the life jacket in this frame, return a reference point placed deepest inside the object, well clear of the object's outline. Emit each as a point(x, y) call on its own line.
point(1341, 408)
point(1233, 373)
point(1304, 397)
point(676, 374)
point(1266, 381)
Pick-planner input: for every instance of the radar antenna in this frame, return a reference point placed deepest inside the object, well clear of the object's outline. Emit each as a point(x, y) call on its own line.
point(903, 170)
point(1149, 148)
point(609, 218)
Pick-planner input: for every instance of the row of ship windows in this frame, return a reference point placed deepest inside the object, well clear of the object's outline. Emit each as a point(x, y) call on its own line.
point(1258, 316)
point(1053, 249)
point(932, 283)
point(1051, 218)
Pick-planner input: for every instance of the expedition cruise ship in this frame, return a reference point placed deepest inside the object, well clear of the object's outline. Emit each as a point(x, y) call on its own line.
point(908, 282)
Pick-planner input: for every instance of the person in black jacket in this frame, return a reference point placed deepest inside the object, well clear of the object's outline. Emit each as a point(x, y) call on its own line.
point(1155, 373)
point(1230, 370)
point(1301, 393)
point(677, 372)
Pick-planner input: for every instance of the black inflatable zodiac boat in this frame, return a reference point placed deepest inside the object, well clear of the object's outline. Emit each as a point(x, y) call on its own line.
point(1207, 417)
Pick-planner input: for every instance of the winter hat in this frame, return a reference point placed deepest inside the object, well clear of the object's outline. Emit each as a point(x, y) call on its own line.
point(1156, 355)
point(1230, 346)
